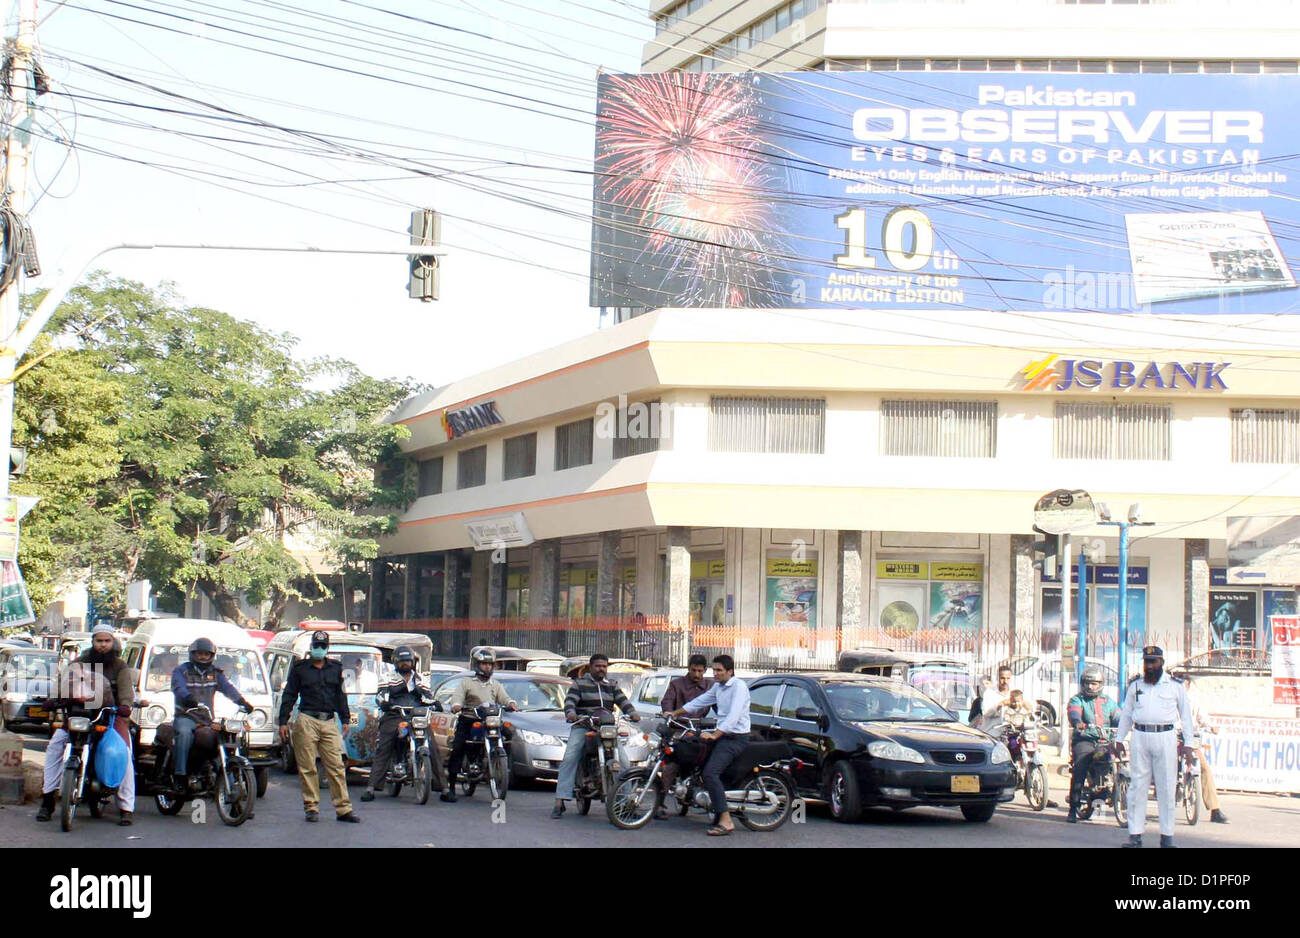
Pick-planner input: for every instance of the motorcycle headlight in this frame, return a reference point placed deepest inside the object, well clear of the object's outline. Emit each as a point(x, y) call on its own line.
point(652, 740)
point(540, 739)
point(608, 732)
point(1000, 754)
point(79, 724)
point(258, 719)
point(492, 721)
point(155, 715)
point(420, 723)
point(233, 725)
point(895, 752)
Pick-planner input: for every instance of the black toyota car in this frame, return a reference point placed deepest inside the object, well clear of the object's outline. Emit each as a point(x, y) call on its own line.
point(875, 741)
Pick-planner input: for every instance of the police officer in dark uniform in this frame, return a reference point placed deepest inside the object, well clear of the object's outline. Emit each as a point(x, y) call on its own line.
point(404, 691)
point(316, 685)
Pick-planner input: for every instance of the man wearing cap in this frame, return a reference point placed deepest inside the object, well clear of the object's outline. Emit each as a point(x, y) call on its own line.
point(316, 685)
point(1153, 704)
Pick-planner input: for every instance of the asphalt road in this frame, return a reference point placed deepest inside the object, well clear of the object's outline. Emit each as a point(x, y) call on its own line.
point(1256, 821)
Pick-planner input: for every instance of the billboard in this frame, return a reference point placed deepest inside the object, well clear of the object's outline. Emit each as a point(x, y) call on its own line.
point(890, 190)
point(1264, 550)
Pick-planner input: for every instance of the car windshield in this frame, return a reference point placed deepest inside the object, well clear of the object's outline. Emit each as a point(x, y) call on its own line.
point(32, 667)
point(361, 671)
point(862, 702)
point(243, 666)
point(537, 695)
point(949, 686)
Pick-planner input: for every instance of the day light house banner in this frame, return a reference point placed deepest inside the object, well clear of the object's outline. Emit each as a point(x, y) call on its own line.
point(935, 190)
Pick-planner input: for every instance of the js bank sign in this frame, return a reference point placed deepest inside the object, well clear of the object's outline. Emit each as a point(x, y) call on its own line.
point(1054, 373)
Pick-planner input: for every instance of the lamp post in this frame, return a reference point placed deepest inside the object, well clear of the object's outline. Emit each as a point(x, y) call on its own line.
point(1134, 518)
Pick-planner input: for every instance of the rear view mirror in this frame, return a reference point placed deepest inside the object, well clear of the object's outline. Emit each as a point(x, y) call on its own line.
point(810, 714)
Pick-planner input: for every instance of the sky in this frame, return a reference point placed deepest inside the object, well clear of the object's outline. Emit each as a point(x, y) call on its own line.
point(156, 130)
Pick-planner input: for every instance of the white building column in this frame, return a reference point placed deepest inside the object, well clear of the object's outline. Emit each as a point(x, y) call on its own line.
point(679, 575)
point(850, 587)
point(1196, 599)
point(1026, 637)
point(607, 571)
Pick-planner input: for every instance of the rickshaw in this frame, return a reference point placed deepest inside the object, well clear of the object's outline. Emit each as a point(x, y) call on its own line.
point(388, 642)
point(945, 680)
point(622, 671)
point(363, 666)
point(510, 658)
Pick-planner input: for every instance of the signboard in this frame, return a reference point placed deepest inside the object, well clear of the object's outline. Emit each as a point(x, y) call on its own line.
point(708, 569)
point(1063, 511)
point(780, 566)
point(900, 570)
point(15, 605)
point(456, 423)
point(1255, 753)
point(1233, 614)
point(1286, 660)
point(1054, 373)
point(1069, 648)
point(500, 531)
point(9, 529)
point(855, 189)
point(956, 571)
point(1264, 550)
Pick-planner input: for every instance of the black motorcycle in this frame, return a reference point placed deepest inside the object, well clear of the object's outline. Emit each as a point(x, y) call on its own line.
point(218, 768)
point(413, 764)
point(486, 758)
point(602, 759)
point(759, 783)
point(79, 784)
point(1106, 781)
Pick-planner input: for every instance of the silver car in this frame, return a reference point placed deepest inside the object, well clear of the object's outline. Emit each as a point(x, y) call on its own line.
point(26, 673)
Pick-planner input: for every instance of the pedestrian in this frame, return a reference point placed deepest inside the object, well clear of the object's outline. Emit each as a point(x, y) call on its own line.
point(316, 685)
point(681, 691)
point(1152, 705)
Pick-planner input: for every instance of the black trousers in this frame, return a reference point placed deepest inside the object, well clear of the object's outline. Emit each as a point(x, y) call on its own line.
point(1082, 753)
point(724, 753)
point(459, 740)
point(384, 744)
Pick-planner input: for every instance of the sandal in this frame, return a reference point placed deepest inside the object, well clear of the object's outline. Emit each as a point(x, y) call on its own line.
point(717, 830)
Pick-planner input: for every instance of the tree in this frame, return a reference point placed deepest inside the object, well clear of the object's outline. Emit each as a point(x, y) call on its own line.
point(228, 448)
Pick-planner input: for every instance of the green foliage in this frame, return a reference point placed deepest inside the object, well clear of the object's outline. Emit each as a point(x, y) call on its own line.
point(198, 451)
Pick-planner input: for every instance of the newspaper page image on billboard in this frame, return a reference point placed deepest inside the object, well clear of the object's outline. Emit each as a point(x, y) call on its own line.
point(874, 190)
point(1286, 660)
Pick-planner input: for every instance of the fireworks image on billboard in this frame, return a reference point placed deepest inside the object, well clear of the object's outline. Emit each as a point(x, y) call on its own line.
point(683, 189)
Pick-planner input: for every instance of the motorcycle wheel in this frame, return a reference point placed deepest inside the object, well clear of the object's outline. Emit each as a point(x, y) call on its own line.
point(1120, 804)
point(499, 775)
point(1191, 798)
point(771, 788)
point(684, 804)
point(236, 792)
point(467, 787)
point(95, 805)
point(1036, 787)
point(288, 764)
point(67, 799)
point(394, 789)
point(631, 805)
point(1085, 806)
point(423, 778)
point(263, 776)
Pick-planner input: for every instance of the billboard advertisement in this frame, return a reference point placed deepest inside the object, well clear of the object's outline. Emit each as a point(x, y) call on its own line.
point(936, 190)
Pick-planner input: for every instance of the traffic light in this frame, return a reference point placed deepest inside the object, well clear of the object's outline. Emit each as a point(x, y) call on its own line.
point(426, 231)
point(1045, 557)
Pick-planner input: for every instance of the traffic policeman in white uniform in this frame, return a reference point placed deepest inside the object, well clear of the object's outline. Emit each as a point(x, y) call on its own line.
point(1152, 705)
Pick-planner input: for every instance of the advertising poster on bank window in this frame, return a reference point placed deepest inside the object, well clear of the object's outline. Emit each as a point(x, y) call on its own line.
point(791, 598)
point(1286, 660)
point(1232, 618)
point(1276, 603)
point(1114, 193)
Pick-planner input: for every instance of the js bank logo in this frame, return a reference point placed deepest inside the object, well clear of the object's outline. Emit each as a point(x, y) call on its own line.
point(1054, 373)
point(80, 890)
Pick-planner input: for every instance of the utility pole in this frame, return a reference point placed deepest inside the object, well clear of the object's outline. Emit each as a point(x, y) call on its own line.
point(22, 98)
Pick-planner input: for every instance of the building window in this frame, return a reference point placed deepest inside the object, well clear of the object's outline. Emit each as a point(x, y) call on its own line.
point(471, 467)
point(1112, 431)
point(1265, 435)
point(430, 477)
point(520, 456)
point(573, 444)
point(767, 425)
point(939, 428)
point(638, 429)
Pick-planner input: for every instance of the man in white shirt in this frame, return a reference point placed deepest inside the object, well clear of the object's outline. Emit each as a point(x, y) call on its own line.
point(729, 695)
point(994, 699)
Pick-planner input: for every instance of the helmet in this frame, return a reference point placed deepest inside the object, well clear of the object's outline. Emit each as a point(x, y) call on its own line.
point(1091, 673)
point(200, 645)
point(403, 653)
point(482, 656)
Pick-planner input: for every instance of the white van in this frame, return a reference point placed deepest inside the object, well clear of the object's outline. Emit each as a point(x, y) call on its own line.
point(155, 649)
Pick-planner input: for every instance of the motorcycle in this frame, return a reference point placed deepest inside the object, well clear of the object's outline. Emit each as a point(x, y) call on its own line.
point(759, 784)
point(1107, 780)
point(413, 764)
point(79, 784)
point(602, 759)
point(218, 768)
point(486, 757)
point(1020, 735)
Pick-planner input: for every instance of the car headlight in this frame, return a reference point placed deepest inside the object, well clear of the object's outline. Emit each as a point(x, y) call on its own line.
point(1000, 754)
point(540, 739)
point(155, 716)
point(15, 697)
point(258, 719)
point(886, 749)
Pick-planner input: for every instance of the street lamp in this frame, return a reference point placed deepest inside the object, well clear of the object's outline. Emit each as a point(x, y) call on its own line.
point(1134, 519)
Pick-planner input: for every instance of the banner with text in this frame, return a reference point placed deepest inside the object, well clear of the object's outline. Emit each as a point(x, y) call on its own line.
point(1119, 193)
point(1255, 753)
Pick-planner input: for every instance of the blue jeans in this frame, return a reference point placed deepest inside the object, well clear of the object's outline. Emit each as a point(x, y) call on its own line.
point(184, 728)
point(572, 759)
point(724, 753)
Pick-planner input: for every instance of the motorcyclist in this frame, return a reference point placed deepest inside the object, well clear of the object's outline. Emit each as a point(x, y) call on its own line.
point(1089, 712)
point(591, 694)
point(405, 690)
point(113, 686)
point(472, 691)
point(196, 684)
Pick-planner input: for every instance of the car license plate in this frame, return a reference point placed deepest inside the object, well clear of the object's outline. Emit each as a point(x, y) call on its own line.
point(965, 783)
point(38, 713)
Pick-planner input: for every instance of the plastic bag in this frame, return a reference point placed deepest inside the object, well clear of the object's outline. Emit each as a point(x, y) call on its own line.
point(112, 756)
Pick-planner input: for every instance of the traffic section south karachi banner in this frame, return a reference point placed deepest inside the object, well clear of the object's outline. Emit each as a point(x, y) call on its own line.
point(1255, 753)
point(879, 190)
